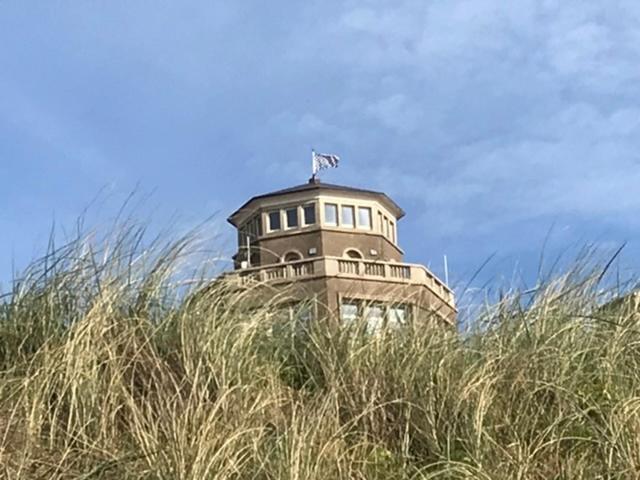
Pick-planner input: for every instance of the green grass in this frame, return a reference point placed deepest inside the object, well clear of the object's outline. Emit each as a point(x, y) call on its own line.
point(110, 368)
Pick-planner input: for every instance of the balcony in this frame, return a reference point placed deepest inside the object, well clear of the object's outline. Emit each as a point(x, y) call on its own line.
point(391, 272)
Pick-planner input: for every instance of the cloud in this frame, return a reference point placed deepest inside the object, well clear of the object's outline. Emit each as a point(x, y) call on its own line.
point(396, 112)
point(584, 163)
point(478, 115)
point(489, 113)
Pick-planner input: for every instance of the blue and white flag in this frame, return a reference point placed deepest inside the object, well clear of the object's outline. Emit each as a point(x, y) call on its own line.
point(322, 161)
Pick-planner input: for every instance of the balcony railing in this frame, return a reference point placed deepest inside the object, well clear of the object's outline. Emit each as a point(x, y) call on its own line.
point(404, 273)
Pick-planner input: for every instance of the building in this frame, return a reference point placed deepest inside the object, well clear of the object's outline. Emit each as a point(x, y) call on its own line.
point(339, 246)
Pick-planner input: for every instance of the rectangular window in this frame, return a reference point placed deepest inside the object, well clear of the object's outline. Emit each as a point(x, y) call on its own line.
point(364, 218)
point(274, 221)
point(392, 231)
point(386, 227)
point(347, 219)
point(348, 311)
point(309, 214)
point(380, 222)
point(397, 316)
point(374, 317)
point(292, 217)
point(330, 214)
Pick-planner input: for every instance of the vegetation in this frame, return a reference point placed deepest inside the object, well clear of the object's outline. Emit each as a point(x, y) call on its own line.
point(114, 366)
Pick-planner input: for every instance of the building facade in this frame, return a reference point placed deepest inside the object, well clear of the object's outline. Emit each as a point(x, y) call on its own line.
point(339, 246)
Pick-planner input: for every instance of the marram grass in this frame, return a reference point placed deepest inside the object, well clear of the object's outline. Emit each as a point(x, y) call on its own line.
point(110, 369)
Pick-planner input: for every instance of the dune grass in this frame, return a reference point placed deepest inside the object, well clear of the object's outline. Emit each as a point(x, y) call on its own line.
point(110, 368)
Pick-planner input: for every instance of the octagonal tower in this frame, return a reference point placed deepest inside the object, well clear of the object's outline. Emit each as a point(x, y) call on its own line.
point(339, 245)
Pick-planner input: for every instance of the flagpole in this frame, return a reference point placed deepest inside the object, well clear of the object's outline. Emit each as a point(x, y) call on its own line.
point(313, 164)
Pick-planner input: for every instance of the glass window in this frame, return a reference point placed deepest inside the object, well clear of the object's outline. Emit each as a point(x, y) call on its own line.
point(380, 222)
point(330, 214)
point(274, 221)
point(364, 217)
point(292, 257)
point(304, 314)
point(374, 317)
point(392, 231)
point(309, 214)
point(386, 227)
point(292, 217)
point(351, 253)
point(346, 219)
point(397, 316)
point(348, 311)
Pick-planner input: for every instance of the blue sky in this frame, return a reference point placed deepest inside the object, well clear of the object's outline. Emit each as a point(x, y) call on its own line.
point(490, 122)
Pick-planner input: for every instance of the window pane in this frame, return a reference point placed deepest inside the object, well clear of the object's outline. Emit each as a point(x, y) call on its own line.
point(397, 316)
point(374, 318)
point(364, 217)
point(274, 221)
point(304, 314)
point(292, 257)
point(348, 312)
point(330, 214)
point(392, 231)
point(347, 216)
point(292, 217)
point(309, 214)
point(386, 227)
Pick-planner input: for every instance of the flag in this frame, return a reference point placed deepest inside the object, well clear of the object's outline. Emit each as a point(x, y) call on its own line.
point(324, 160)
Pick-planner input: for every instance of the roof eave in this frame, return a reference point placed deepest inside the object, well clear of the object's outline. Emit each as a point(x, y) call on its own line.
point(394, 207)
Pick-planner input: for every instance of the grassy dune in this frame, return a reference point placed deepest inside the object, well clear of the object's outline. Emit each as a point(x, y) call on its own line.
point(112, 366)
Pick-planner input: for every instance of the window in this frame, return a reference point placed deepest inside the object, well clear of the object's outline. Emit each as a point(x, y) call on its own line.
point(386, 227)
point(274, 221)
point(292, 257)
point(348, 311)
point(309, 214)
point(346, 219)
point(397, 316)
point(304, 314)
point(374, 317)
point(351, 253)
point(364, 217)
point(253, 227)
point(292, 217)
point(380, 222)
point(330, 214)
point(392, 231)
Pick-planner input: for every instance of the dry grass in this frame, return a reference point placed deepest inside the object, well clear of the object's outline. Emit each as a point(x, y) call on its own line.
point(110, 370)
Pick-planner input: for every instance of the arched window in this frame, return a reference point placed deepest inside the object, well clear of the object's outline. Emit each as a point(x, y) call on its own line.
point(353, 253)
point(292, 256)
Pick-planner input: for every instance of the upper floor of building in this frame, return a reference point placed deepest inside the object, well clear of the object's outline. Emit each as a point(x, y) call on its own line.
point(317, 219)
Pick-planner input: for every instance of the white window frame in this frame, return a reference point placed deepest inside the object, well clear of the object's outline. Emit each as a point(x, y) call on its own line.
point(286, 217)
point(360, 208)
point(324, 214)
point(303, 208)
point(269, 213)
point(344, 207)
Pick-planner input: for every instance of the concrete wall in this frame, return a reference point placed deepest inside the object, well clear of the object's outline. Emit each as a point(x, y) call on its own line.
point(335, 242)
point(332, 243)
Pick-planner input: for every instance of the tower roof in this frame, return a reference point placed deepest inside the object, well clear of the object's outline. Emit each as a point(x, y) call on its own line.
point(315, 184)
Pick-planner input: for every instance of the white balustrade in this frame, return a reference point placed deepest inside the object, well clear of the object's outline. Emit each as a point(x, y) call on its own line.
point(347, 267)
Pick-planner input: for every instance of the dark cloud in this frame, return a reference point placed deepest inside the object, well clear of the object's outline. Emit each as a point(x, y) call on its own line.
point(484, 118)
